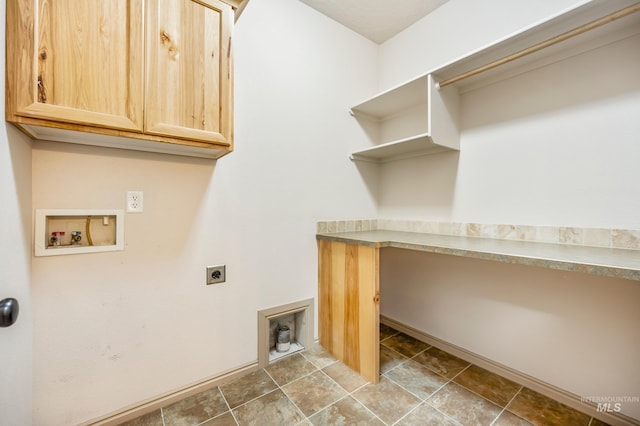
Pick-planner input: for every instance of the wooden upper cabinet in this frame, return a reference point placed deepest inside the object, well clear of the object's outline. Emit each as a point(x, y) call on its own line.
point(80, 61)
point(189, 69)
point(152, 75)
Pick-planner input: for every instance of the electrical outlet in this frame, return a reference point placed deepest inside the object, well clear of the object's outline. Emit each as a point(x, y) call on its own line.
point(216, 274)
point(135, 202)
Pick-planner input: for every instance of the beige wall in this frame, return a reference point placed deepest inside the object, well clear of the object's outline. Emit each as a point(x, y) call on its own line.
point(113, 329)
point(575, 331)
point(15, 264)
point(15, 273)
point(557, 146)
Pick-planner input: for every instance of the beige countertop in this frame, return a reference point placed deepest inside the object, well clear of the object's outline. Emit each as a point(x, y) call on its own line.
point(610, 262)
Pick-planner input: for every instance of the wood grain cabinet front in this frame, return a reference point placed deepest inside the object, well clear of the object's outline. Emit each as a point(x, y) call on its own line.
point(349, 305)
point(189, 70)
point(151, 76)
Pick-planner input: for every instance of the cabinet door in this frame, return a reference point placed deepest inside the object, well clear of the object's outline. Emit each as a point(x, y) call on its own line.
point(189, 75)
point(77, 61)
point(348, 305)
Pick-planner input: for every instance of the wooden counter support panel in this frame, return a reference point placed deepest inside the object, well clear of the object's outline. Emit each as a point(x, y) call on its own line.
point(348, 305)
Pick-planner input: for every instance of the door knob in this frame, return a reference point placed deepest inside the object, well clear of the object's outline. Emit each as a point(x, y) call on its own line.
point(9, 309)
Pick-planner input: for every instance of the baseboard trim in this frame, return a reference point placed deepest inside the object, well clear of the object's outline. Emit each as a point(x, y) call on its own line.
point(570, 399)
point(144, 407)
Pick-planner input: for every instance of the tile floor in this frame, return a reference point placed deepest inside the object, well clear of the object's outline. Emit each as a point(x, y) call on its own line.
point(420, 385)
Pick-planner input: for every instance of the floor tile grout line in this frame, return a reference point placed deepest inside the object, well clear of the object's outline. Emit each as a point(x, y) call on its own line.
point(389, 337)
point(314, 364)
point(460, 372)
point(395, 350)
point(367, 408)
point(342, 387)
point(162, 416)
point(477, 394)
point(224, 397)
point(409, 412)
point(417, 396)
point(443, 413)
point(406, 358)
point(422, 401)
point(304, 416)
point(425, 402)
point(257, 397)
point(447, 381)
point(347, 395)
point(218, 415)
point(295, 380)
point(431, 369)
point(450, 380)
point(228, 405)
point(317, 367)
point(506, 405)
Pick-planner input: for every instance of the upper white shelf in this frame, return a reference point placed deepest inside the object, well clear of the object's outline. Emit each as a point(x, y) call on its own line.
point(438, 129)
point(394, 100)
point(412, 119)
point(554, 26)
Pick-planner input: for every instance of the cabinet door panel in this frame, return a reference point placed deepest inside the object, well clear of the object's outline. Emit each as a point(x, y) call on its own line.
point(348, 305)
point(84, 63)
point(189, 75)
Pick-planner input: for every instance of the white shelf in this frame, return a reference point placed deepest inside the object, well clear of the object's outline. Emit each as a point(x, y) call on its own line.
point(416, 117)
point(397, 150)
point(439, 130)
point(394, 100)
point(558, 24)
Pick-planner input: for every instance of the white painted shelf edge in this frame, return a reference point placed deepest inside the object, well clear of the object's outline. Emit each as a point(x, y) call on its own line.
point(397, 150)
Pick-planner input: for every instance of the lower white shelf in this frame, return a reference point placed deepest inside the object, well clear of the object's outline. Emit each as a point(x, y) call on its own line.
point(404, 148)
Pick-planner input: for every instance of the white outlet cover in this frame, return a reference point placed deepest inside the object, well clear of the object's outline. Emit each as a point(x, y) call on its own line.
point(135, 202)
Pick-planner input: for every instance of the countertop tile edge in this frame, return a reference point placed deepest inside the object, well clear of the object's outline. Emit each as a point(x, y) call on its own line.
point(603, 261)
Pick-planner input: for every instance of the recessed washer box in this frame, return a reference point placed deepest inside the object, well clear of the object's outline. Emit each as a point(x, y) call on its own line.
point(75, 231)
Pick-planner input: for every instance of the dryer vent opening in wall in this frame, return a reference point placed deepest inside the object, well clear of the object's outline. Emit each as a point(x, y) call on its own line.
point(284, 330)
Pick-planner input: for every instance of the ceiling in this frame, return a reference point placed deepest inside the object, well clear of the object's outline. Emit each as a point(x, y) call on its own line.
point(376, 20)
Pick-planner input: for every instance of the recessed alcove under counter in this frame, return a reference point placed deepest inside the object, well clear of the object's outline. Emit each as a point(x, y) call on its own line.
point(351, 267)
point(349, 278)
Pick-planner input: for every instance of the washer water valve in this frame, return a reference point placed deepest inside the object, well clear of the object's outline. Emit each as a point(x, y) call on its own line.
point(56, 238)
point(76, 236)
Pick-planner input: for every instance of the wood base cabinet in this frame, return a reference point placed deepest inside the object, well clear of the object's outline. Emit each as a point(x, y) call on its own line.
point(151, 75)
point(348, 305)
